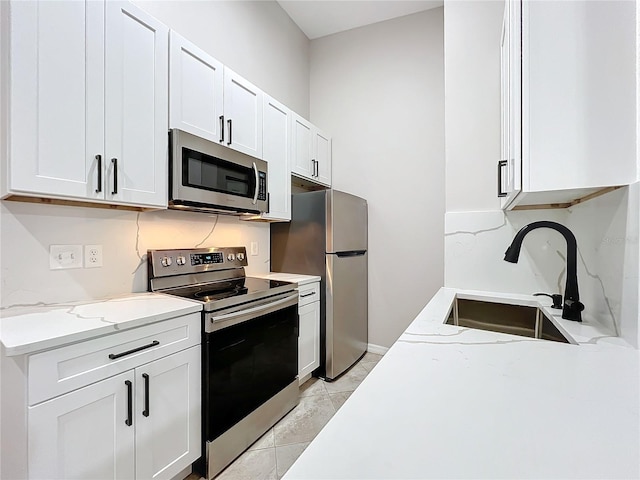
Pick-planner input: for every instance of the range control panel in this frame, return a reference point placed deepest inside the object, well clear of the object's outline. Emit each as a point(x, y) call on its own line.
point(163, 263)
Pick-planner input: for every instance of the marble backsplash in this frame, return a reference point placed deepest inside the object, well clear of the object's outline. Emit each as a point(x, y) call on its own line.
point(606, 229)
point(27, 231)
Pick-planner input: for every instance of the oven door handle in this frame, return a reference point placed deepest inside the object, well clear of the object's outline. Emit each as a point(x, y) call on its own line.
point(217, 322)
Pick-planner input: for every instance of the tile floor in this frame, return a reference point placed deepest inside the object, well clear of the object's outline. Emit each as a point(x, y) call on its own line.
point(272, 455)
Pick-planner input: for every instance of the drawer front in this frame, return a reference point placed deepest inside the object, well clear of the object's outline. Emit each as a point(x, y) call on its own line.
point(309, 293)
point(64, 369)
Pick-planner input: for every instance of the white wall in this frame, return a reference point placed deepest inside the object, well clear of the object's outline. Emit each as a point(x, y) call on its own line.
point(378, 90)
point(256, 39)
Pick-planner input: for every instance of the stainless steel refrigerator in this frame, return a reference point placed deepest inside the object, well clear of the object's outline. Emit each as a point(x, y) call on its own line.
point(327, 236)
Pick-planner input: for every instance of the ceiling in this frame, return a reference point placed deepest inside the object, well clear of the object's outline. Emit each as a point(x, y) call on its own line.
point(318, 18)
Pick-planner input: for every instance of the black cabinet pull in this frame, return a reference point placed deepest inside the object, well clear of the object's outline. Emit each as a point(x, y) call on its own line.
point(501, 165)
point(113, 356)
point(114, 161)
point(145, 412)
point(221, 128)
point(230, 137)
point(99, 159)
point(307, 294)
point(129, 420)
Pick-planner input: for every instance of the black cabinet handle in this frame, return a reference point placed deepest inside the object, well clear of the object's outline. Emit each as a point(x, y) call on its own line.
point(221, 128)
point(501, 165)
point(230, 134)
point(145, 412)
point(114, 161)
point(113, 356)
point(307, 294)
point(99, 159)
point(129, 420)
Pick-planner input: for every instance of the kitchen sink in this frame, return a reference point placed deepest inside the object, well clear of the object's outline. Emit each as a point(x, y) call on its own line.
point(522, 320)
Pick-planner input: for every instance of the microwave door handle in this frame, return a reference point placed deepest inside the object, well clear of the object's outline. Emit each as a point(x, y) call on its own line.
point(257, 189)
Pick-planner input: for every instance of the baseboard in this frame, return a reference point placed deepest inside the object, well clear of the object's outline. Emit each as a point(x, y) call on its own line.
point(377, 349)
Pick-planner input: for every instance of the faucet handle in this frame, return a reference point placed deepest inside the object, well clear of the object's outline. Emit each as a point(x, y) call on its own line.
point(556, 298)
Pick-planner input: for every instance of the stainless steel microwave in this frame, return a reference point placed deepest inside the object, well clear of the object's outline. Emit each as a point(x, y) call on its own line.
point(205, 176)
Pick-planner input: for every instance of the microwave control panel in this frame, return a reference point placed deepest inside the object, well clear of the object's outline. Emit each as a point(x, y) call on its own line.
point(262, 186)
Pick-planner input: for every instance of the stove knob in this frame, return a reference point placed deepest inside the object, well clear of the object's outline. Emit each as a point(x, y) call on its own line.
point(181, 260)
point(241, 256)
point(166, 261)
point(231, 257)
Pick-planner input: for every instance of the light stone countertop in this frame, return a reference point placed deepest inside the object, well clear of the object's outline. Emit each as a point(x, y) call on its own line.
point(290, 277)
point(27, 329)
point(454, 402)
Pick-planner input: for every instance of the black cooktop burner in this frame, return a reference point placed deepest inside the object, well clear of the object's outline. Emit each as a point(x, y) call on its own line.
point(211, 292)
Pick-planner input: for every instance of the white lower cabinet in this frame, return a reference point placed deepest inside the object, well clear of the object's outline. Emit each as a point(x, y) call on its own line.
point(83, 434)
point(142, 423)
point(309, 336)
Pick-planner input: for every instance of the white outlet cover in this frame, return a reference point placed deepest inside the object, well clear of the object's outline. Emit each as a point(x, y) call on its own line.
point(65, 256)
point(92, 256)
point(254, 248)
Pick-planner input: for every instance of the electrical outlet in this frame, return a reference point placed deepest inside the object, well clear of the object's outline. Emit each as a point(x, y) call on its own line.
point(254, 248)
point(92, 256)
point(65, 256)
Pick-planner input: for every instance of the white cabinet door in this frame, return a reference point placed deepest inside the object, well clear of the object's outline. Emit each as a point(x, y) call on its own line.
point(322, 155)
point(84, 434)
point(242, 114)
point(136, 100)
point(302, 148)
point(168, 415)
point(510, 166)
point(277, 152)
point(309, 339)
point(196, 86)
point(57, 89)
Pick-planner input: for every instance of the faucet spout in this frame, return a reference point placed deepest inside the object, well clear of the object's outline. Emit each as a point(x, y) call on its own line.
point(571, 308)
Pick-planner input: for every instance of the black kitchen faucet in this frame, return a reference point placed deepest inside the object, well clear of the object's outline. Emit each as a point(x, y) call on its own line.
point(571, 306)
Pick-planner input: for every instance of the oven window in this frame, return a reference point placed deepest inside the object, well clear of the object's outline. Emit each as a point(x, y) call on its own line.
point(211, 173)
point(247, 364)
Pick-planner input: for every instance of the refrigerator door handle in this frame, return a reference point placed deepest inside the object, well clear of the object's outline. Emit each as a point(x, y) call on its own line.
point(352, 253)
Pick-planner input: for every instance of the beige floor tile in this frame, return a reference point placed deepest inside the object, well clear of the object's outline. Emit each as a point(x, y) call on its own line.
point(264, 441)
point(286, 455)
point(370, 358)
point(193, 476)
point(348, 382)
point(304, 422)
point(252, 465)
point(313, 386)
point(337, 399)
point(368, 366)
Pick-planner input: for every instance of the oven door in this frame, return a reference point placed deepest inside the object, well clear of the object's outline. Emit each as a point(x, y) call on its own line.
point(250, 354)
point(205, 174)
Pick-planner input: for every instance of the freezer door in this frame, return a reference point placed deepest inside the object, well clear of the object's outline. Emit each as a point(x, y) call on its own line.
point(346, 312)
point(346, 222)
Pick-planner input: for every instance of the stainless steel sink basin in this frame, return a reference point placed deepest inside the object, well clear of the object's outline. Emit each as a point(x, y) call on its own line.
point(522, 320)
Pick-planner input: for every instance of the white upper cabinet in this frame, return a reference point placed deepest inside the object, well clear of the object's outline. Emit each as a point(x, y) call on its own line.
point(311, 152)
point(136, 103)
point(211, 101)
point(277, 152)
point(322, 149)
point(88, 102)
point(578, 96)
point(57, 98)
point(196, 86)
point(242, 114)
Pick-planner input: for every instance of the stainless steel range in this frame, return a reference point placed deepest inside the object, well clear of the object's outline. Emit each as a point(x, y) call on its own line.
point(249, 345)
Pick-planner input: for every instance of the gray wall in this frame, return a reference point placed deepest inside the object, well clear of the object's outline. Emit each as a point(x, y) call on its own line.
point(379, 91)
